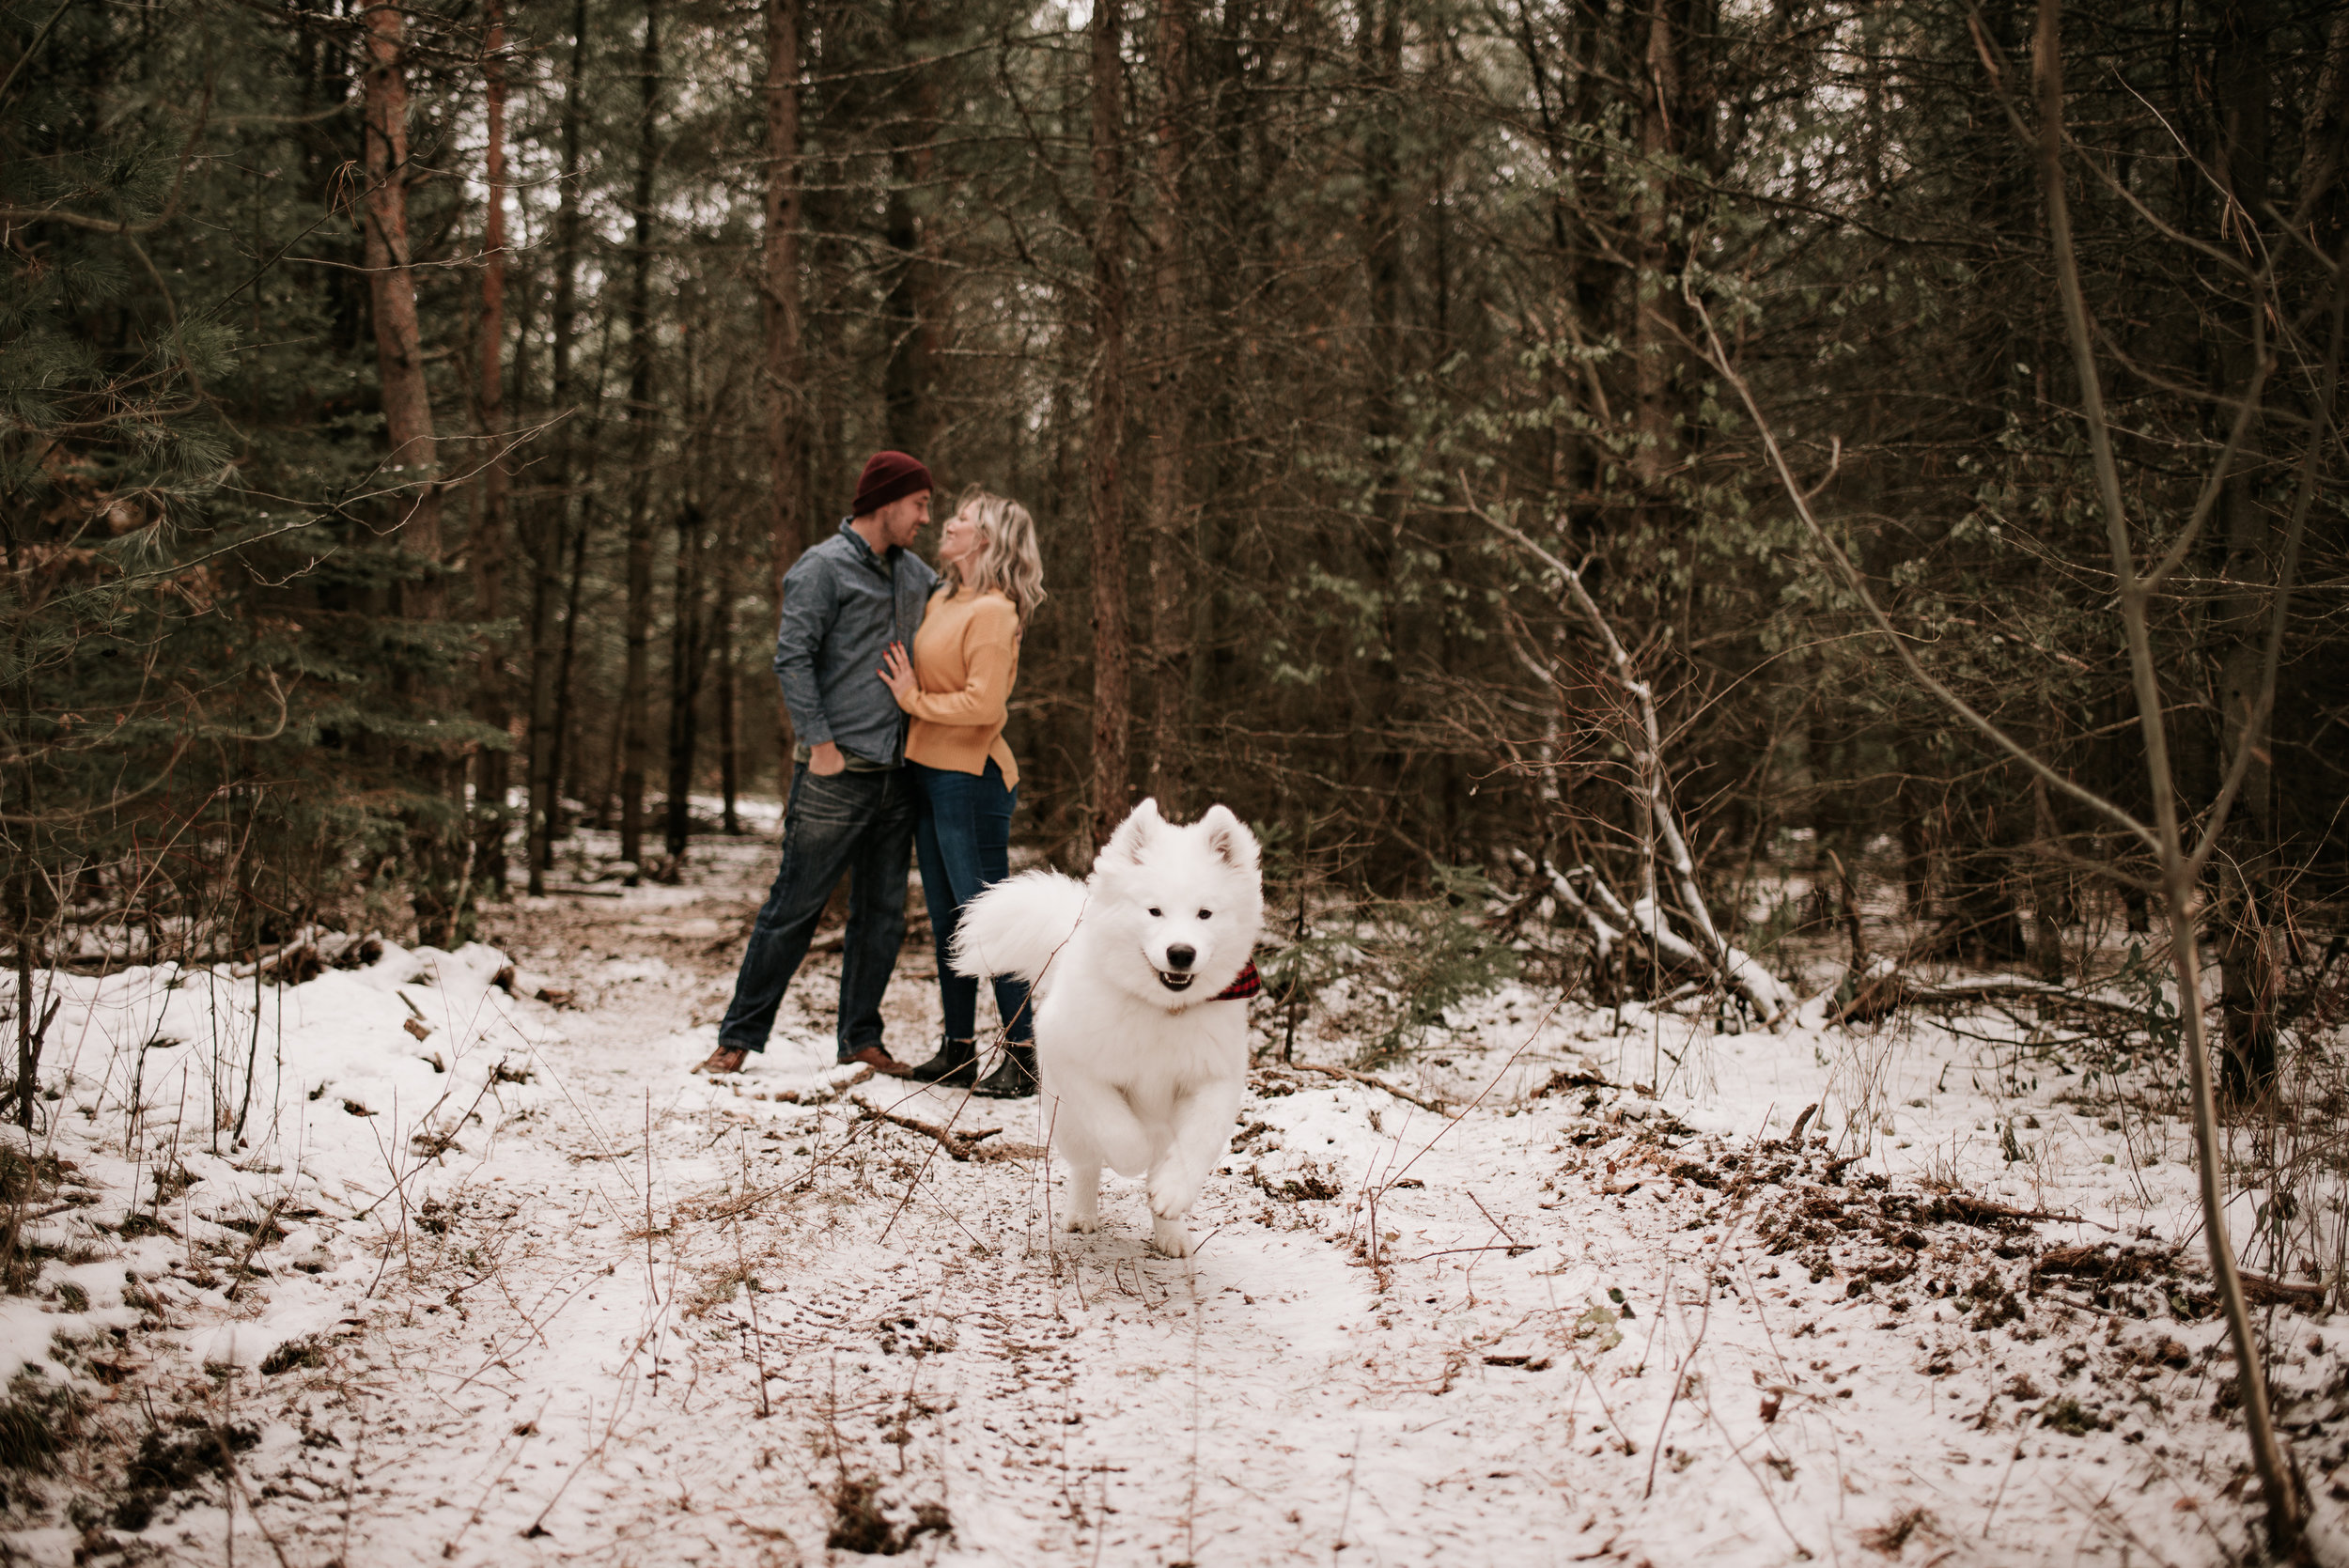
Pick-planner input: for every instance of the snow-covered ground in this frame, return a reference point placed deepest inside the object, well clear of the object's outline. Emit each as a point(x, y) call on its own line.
point(403, 1265)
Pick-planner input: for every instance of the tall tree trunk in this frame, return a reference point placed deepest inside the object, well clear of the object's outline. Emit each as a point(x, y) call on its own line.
point(782, 384)
point(2050, 897)
point(687, 642)
point(635, 740)
point(413, 462)
point(689, 631)
point(25, 943)
point(1170, 423)
point(1378, 701)
point(552, 527)
point(489, 552)
point(729, 677)
point(563, 731)
point(2244, 920)
point(1655, 337)
point(1105, 475)
point(908, 380)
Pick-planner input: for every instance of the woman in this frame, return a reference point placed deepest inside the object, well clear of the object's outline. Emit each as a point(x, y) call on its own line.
point(956, 686)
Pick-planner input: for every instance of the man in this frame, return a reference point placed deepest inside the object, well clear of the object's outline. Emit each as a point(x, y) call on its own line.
point(850, 809)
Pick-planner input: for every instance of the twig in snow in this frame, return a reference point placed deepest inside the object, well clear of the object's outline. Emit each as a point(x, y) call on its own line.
point(961, 1145)
point(1980, 1210)
point(1375, 1082)
point(1629, 1446)
point(528, 1430)
point(261, 1233)
point(1511, 1248)
point(1515, 1244)
point(652, 1272)
point(741, 1261)
point(1680, 1372)
point(2000, 1496)
point(229, 1467)
point(1346, 1511)
point(350, 1479)
point(825, 1094)
point(1737, 1451)
point(1452, 1118)
point(594, 1455)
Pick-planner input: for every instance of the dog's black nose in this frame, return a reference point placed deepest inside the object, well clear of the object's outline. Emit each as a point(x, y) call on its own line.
point(1180, 957)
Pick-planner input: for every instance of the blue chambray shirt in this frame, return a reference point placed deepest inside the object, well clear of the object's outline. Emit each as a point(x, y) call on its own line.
point(842, 607)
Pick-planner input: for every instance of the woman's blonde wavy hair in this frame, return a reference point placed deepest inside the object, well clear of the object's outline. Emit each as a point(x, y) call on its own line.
point(1006, 559)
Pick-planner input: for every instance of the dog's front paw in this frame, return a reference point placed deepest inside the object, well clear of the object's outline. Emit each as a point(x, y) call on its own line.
point(1171, 1237)
point(1172, 1192)
point(1086, 1222)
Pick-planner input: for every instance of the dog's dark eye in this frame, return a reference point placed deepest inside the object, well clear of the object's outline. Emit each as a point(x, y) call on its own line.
point(1205, 914)
point(1154, 912)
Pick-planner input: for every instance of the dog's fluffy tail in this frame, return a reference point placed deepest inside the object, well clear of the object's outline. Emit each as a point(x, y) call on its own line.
point(1016, 927)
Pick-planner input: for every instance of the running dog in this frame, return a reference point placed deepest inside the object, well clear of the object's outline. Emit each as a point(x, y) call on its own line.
point(1141, 975)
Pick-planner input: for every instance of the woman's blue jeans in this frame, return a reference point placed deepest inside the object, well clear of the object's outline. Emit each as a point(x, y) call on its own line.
point(962, 837)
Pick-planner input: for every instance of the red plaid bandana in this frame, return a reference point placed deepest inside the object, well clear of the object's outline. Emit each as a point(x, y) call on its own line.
point(1249, 984)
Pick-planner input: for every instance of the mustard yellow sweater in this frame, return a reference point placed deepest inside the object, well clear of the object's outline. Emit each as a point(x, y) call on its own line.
point(966, 656)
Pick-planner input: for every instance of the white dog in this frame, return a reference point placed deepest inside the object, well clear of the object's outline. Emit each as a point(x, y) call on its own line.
point(1141, 976)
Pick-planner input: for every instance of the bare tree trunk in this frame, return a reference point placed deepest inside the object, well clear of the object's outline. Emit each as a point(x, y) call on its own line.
point(1112, 719)
point(1908, 798)
point(909, 393)
point(1170, 409)
point(435, 862)
point(1376, 701)
point(2287, 1504)
point(1652, 335)
point(687, 645)
point(549, 669)
point(2244, 935)
point(689, 630)
point(27, 1059)
point(489, 548)
point(608, 793)
point(635, 742)
point(783, 383)
point(729, 679)
point(563, 730)
point(415, 460)
point(2048, 899)
point(1650, 340)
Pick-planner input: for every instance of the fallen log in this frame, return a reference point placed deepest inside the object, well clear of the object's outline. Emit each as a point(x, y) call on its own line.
point(2264, 1290)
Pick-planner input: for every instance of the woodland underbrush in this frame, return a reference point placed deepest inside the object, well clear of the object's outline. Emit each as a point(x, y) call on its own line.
point(1872, 970)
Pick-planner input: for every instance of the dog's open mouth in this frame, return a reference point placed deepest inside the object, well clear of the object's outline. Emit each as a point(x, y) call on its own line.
point(1176, 980)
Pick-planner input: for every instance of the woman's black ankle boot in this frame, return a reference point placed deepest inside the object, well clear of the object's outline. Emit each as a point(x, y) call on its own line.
point(1014, 1078)
point(956, 1066)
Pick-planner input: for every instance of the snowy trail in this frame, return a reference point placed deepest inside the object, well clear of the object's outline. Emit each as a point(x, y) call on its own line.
point(637, 1317)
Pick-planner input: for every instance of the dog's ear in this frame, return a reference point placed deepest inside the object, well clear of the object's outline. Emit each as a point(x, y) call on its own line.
point(1229, 837)
point(1126, 845)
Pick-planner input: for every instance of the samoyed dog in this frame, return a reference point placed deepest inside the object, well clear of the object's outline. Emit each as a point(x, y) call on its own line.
point(1143, 1052)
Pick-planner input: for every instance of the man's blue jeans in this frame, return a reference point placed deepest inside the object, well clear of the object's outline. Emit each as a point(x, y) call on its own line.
point(860, 825)
point(962, 832)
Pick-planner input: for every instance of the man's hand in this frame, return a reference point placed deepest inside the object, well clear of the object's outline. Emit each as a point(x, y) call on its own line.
point(824, 760)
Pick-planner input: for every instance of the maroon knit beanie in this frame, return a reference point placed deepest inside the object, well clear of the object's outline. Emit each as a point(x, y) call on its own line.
point(888, 476)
